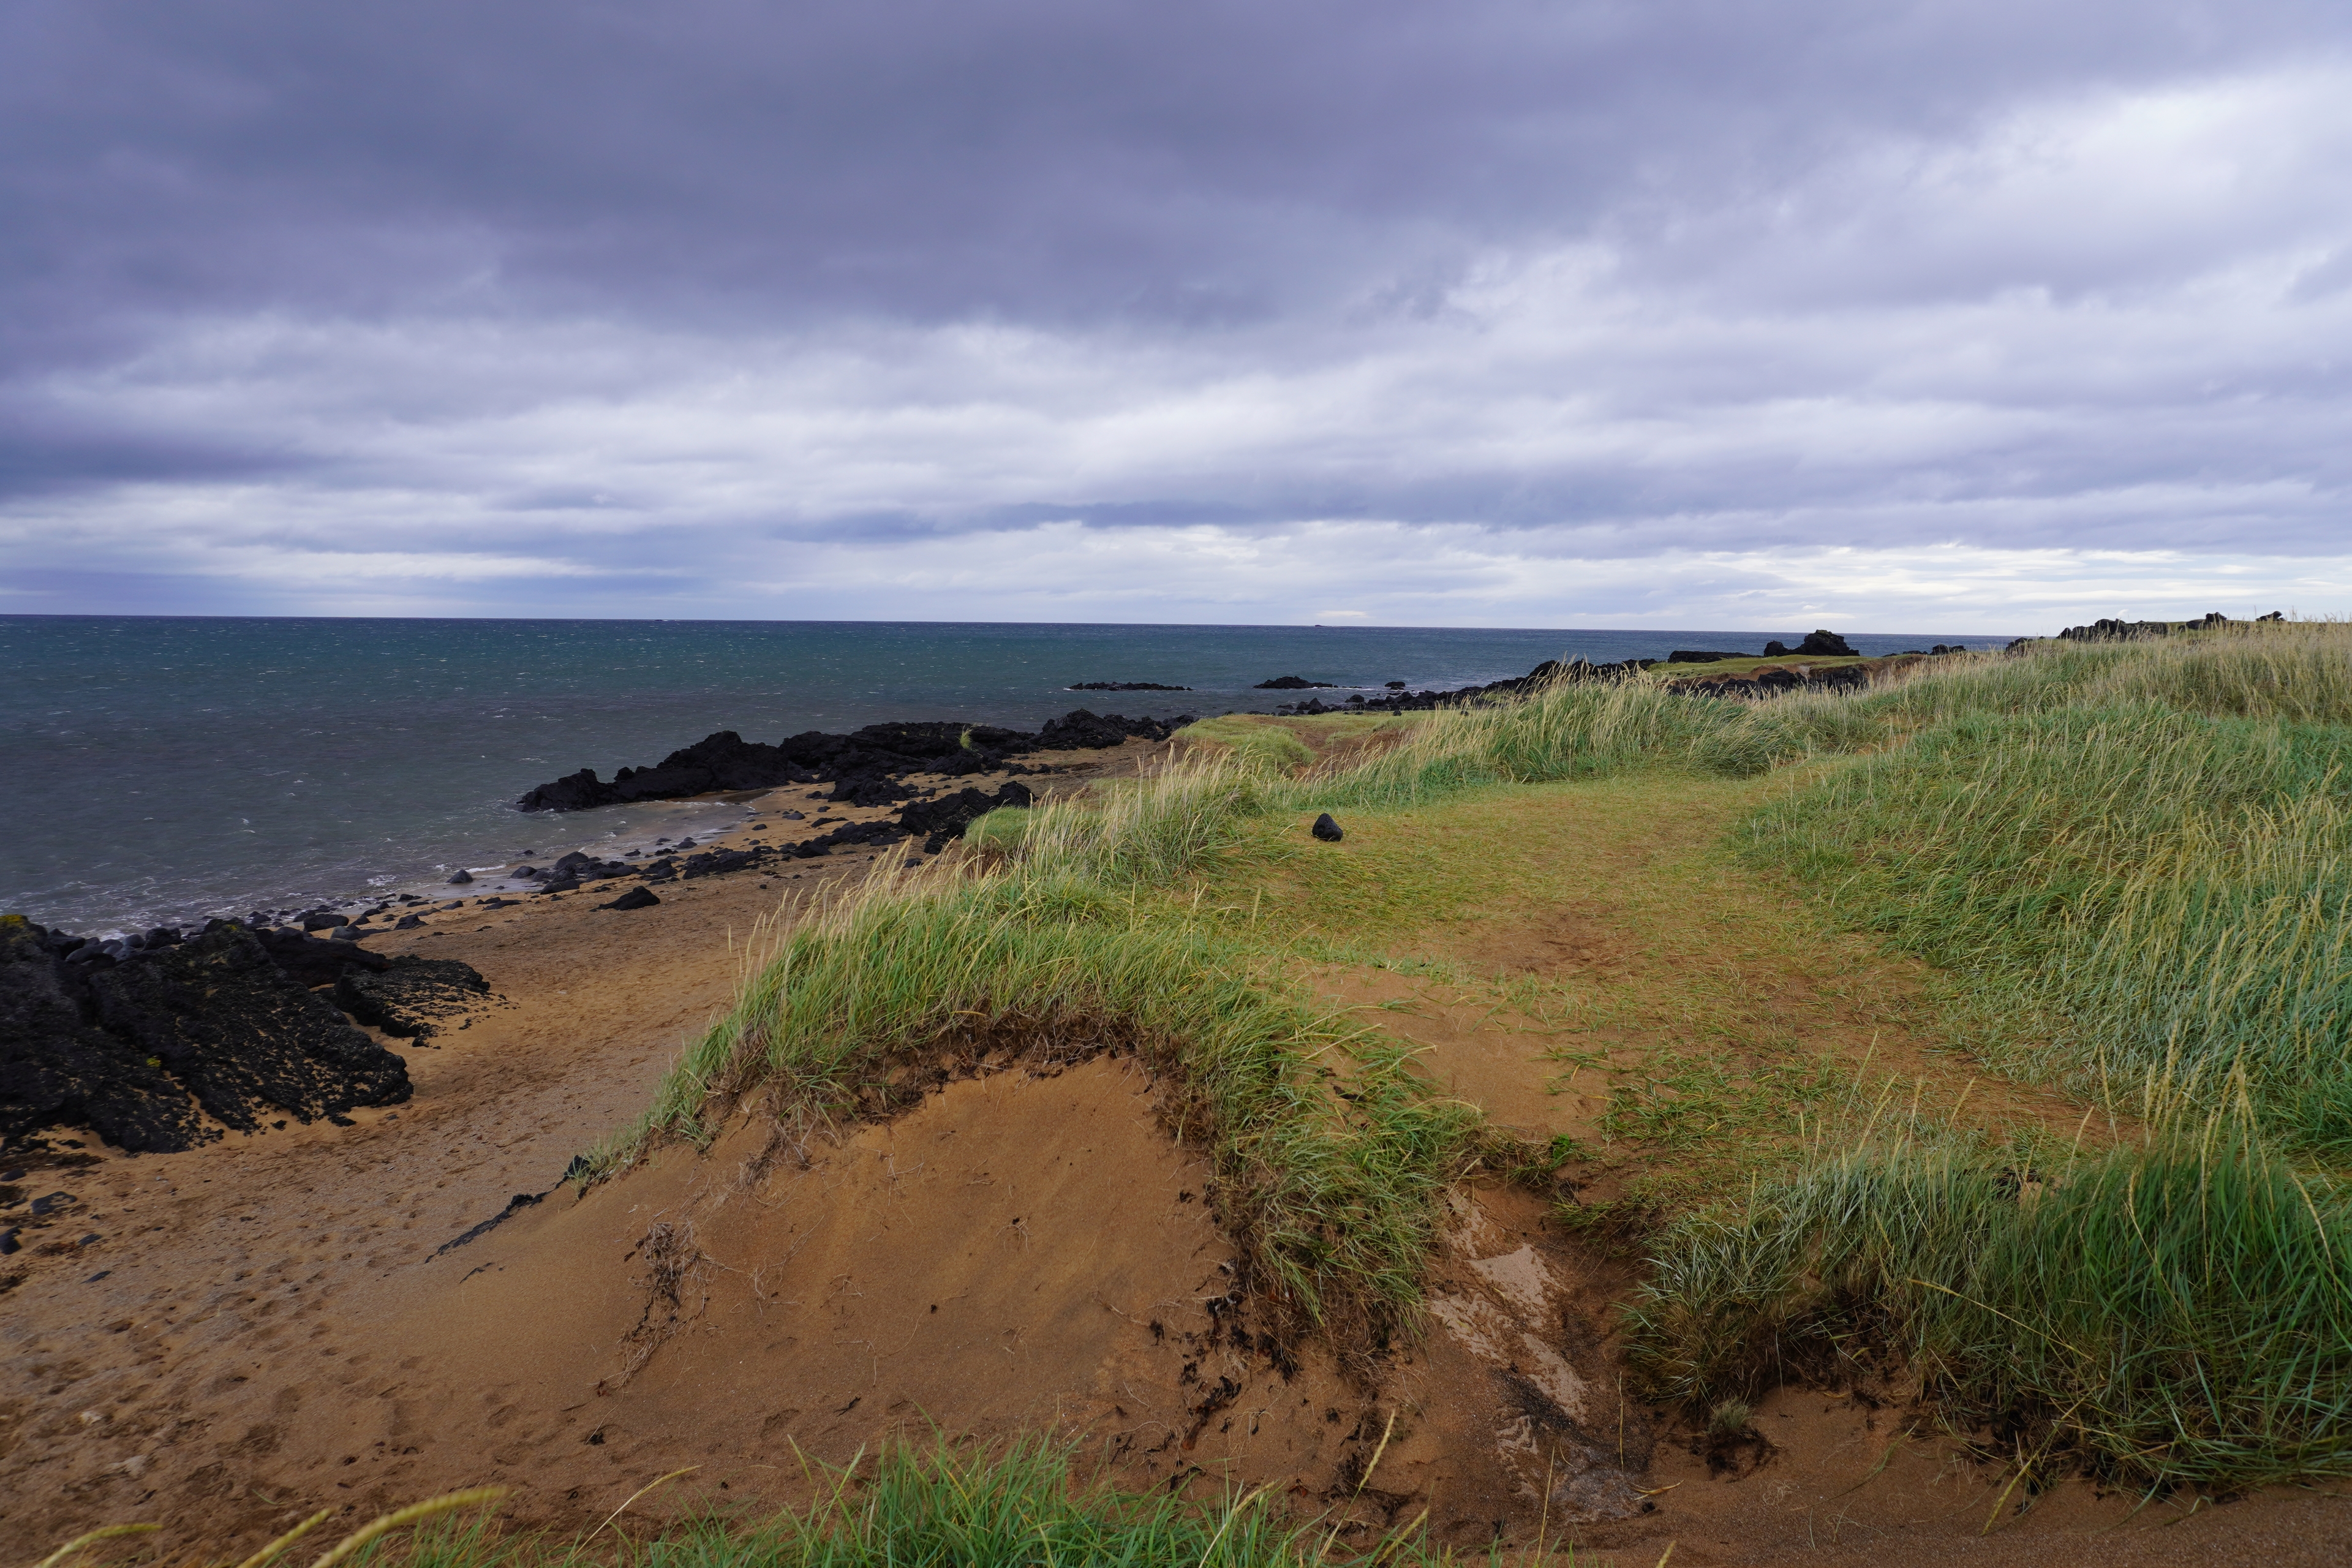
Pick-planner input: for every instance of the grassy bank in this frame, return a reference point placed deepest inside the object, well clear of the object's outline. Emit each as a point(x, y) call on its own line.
point(2129, 861)
point(2127, 868)
point(2139, 859)
point(2180, 1314)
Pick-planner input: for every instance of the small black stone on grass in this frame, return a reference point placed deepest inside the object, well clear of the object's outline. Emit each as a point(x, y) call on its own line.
point(1328, 830)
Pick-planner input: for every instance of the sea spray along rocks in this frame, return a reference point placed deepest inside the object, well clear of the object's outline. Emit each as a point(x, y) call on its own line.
point(145, 1047)
point(863, 766)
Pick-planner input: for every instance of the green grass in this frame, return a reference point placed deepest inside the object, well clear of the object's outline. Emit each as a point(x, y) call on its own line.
point(2132, 865)
point(1025, 1506)
point(2151, 905)
point(2170, 1315)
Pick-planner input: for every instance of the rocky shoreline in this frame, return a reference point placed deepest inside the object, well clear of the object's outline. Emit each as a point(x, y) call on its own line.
point(866, 767)
point(164, 1042)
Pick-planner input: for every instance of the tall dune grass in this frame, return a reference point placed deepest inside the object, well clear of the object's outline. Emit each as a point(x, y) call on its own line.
point(2177, 1314)
point(2159, 902)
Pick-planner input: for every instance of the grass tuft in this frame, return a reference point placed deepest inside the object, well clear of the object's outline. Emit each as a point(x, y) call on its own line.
point(2171, 1315)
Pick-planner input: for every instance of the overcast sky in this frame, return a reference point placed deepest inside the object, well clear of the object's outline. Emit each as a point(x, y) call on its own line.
point(1945, 315)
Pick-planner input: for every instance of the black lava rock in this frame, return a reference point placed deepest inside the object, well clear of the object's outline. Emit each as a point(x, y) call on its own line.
point(945, 818)
point(462, 878)
point(411, 996)
point(57, 1067)
point(634, 899)
point(1776, 682)
point(1327, 830)
point(1825, 644)
point(1704, 656)
point(243, 1035)
point(408, 922)
point(1079, 731)
point(871, 790)
point(1293, 683)
point(309, 961)
point(1776, 650)
point(859, 764)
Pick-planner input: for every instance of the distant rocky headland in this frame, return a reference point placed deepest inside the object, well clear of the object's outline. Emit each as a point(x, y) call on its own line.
point(865, 767)
point(2110, 630)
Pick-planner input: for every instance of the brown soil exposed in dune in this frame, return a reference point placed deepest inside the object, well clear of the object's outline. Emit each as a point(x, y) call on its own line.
point(277, 1323)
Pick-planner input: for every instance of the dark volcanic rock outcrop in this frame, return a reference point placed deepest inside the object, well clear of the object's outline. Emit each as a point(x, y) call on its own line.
point(56, 1067)
point(862, 766)
point(242, 1035)
point(140, 1045)
point(1775, 681)
point(946, 817)
point(311, 961)
point(1542, 674)
point(412, 997)
point(1824, 645)
point(2112, 630)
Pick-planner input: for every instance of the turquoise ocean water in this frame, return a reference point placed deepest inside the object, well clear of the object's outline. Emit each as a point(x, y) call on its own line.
point(170, 769)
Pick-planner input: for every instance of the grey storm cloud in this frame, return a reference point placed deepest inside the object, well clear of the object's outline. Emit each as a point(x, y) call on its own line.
point(608, 305)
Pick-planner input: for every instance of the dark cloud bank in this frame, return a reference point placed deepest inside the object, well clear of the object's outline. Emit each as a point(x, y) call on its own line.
point(1538, 313)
